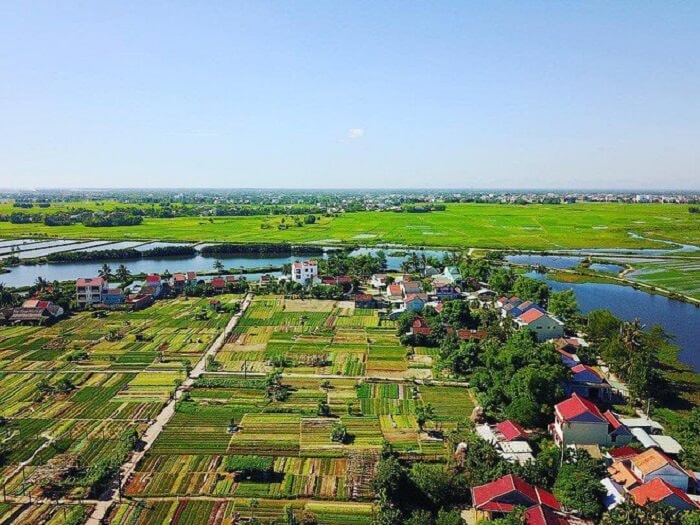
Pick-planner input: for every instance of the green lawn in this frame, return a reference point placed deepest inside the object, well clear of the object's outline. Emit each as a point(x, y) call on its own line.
point(541, 227)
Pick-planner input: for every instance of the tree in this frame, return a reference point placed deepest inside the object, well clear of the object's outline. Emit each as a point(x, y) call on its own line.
point(529, 289)
point(274, 389)
point(578, 487)
point(448, 517)
point(456, 314)
point(339, 433)
point(122, 274)
point(632, 354)
point(521, 378)
point(105, 272)
point(389, 479)
point(41, 284)
point(438, 485)
point(602, 325)
point(424, 413)
point(218, 266)
point(419, 517)
point(501, 280)
point(324, 408)
point(563, 304)
point(628, 513)
point(6, 297)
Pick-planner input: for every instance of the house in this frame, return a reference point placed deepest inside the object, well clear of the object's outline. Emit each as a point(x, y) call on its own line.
point(588, 383)
point(510, 440)
point(421, 327)
point(113, 296)
point(452, 274)
point(154, 279)
point(378, 281)
point(393, 294)
point(89, 290)
point(363, 300)
point(653, 464)
point(410, 287)
point(304, 272)
point(191, 278)
point(218, 284)
point(614, 493)
point(179, 282)
point(139, 301)
point(577, 421)
point(444, 289)
point(339, 280)
point(465, 334)
point(660, 491)
point(542, 515)
point(415, 302)
point(618, 433)
point(543, 325)
point(35, 312)
point(498, 498)
point(430, 271)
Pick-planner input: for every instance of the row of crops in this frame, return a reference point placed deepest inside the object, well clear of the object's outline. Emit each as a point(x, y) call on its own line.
point(74, 395)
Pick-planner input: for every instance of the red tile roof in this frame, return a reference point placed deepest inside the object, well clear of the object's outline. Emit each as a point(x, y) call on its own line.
point(153, 278)
point(612, 419)
point(575, 406)
point(621, 453)
point(657, 490)
point(533, 314)
point(394, 289)
point(584, 368)
point(486, 497)
point(511, 430)
point(652, 460)
point(179, 277)
point(191, 275)
point(218, 282)
point(540, 515)
point(90, 281)
point(414, 296)
point(465, 334)
point(363, 297)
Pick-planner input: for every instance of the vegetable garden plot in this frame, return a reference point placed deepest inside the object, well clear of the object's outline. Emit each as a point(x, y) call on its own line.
point(311, 305)
point(451, 404)
point(270, 434)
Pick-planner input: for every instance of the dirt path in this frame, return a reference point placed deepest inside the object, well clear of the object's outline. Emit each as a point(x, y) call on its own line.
point(154, 430)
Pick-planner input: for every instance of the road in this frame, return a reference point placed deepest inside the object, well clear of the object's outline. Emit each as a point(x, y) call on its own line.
point(153, 431)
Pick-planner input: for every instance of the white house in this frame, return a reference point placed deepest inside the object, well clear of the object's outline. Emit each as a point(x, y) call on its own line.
point(652, 464)
point(89, 290)
point(304, 272)
point(579, 422)
point(543, 325)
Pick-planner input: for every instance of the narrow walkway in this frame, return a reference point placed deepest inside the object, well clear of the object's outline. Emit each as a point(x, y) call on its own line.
point(102, 507)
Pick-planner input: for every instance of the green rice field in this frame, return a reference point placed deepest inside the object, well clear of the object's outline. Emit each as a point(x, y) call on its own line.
point(536, 227)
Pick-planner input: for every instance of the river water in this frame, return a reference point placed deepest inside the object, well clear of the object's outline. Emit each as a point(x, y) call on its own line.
point(678, 318)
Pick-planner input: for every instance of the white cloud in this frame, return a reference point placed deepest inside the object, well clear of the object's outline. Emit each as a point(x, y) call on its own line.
point(355, 133)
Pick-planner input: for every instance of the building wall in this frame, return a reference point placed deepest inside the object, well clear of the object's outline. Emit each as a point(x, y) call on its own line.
point(584, 433)
point(546, 328)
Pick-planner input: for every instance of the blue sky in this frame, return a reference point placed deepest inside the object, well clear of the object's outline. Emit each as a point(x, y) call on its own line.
point(350, 94)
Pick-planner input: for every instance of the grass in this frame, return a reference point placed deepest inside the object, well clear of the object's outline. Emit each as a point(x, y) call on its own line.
point(537, 227)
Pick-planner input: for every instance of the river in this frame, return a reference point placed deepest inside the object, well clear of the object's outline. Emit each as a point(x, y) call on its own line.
point(680, 319)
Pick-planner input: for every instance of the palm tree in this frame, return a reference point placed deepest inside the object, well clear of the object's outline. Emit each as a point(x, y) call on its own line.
point(122, 274)
point(5, 295)
point(41, 284)
point(105, 272)
point(218, 266)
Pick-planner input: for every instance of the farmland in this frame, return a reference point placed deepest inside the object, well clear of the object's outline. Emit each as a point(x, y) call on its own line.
point(75, 394)
point(535, 227)
point(228, 414)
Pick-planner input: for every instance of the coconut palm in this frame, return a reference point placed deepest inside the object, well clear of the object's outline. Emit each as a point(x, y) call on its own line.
point(5, 295)
point(105, 272)
point(122, 274)
point(41, 284)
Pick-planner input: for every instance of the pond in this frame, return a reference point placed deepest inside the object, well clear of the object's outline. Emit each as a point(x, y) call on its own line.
point(26, 275)
point(678, 318)
point(550, 261)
